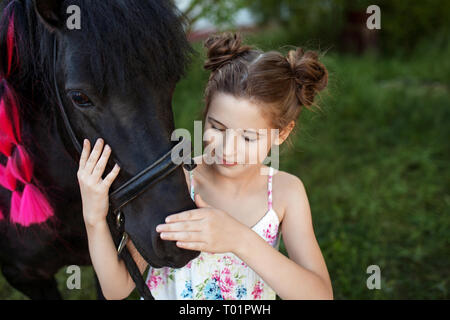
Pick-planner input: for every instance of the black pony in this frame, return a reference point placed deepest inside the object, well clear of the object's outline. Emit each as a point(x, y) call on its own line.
point(116, 76)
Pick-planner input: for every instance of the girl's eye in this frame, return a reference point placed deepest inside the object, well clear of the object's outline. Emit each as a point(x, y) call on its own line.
point(218, 129)
point(249, 140)
point(80, 99)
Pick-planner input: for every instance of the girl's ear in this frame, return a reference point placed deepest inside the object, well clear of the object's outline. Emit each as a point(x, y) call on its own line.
point(50, 12)
point(284, 134)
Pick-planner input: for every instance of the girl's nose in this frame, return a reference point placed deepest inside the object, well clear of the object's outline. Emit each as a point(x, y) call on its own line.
point(229, 147)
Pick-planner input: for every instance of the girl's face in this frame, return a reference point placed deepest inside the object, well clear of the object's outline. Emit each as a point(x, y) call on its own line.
point(236, 134)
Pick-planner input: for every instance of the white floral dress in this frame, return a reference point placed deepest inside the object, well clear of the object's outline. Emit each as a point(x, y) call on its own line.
point(218, 276)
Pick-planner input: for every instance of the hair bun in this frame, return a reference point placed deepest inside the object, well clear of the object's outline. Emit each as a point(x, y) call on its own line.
point(222, 48)
point(310, 74)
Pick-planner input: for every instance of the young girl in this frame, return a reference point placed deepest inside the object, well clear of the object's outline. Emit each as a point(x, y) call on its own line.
point(241, 212)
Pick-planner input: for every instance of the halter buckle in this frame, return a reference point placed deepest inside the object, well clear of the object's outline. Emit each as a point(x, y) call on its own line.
point(119, 219)
point(122, 243)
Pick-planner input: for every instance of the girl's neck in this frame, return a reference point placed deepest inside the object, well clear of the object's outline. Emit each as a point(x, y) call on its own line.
point(239, 185)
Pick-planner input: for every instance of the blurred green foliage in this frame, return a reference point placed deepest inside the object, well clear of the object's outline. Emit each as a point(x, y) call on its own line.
point(403, 23)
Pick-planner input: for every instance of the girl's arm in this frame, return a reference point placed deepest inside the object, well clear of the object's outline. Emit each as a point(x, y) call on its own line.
point(209, 229)
point(304, 275)
point(111, 272)
point(114, 278)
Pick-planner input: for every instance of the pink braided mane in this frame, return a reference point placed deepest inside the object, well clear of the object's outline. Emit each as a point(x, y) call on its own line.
point(28, 204)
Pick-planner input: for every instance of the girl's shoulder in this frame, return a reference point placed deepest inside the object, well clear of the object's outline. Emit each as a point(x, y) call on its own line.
point(285, 188)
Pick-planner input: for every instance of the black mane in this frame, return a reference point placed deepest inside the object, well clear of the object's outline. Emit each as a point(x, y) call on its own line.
point(119, 37)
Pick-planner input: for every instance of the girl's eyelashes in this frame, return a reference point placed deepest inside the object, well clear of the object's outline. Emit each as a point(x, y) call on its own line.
point(218, 129)
point(247, 139)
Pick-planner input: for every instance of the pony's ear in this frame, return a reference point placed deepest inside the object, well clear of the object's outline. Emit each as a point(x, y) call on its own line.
point(50, 12)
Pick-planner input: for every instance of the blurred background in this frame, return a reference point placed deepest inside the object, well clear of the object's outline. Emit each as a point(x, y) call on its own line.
point(374, 160)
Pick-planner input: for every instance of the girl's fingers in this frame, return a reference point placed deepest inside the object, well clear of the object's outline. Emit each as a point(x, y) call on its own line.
point(194, 214)
point(198, 246)
point(85, 153)
point(182, 236)
point(101, 164)
point(93, 158)
point(109, 179)
point(180, 226)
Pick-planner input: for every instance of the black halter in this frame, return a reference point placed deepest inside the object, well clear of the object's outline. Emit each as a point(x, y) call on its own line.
point(129, 190)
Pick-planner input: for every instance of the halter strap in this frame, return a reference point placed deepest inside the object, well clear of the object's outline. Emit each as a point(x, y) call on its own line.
point(269, 188)
point(191, 176)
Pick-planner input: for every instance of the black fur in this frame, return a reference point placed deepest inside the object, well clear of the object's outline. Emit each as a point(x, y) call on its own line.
point(128, 55)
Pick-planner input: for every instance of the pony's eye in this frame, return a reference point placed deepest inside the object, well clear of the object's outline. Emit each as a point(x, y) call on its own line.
point(80, 99)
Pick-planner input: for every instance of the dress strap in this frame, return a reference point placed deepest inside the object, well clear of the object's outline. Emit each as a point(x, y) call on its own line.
point(191, 176)
point(269, 188)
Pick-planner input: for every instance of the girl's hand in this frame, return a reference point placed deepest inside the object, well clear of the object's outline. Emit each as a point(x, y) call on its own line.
point(94, 189)
point(204, 229)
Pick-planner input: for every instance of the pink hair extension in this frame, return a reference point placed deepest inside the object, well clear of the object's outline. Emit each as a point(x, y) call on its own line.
point(6, 127)
point(9, 117)
point(7, 180)
point(10, 37)
point(21, 164)
point(30, 205)
point(6, 145)
point(14, 211)
point(34, 207)
point(10, 43)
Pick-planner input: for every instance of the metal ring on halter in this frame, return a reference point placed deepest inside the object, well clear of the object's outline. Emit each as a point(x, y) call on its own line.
point(119, 219)
point(122, 243)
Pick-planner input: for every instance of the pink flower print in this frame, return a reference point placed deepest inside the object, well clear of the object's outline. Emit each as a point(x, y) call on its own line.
point(226, 283)
point(199, 259)
point(189, 265)
point(154, 281)
point(227, 260)
point(257, 290)
point(270, 234)
point(216, 275)
point(226, 271)
point(166, 271)
point(230, 260)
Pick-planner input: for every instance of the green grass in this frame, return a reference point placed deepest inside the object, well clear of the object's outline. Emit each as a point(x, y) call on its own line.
point(374, 163)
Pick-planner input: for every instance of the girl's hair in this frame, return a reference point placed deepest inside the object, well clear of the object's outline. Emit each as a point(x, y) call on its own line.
point(279, 84)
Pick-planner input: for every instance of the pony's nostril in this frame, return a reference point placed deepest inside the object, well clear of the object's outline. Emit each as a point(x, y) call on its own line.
point(174, 256)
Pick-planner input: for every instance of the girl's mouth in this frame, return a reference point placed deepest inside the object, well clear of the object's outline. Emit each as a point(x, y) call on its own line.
point(226, 164)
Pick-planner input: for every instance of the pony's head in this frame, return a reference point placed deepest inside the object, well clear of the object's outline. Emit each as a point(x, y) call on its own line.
point(116, 75)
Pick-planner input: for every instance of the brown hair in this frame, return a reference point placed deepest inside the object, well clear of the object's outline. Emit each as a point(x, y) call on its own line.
point(280, 84)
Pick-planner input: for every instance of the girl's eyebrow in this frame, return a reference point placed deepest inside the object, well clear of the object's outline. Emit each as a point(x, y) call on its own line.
point(249, 131)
